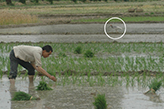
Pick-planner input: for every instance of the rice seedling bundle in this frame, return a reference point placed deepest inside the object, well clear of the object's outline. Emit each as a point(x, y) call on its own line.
point(154, 86)
point(21, 96)
point(43, 86)
point(100, 102)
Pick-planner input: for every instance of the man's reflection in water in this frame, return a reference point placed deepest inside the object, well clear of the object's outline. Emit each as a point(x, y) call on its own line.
point(31, 90)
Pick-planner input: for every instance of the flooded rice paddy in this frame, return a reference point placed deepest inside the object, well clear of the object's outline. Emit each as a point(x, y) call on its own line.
point(74, 96)
point(132, 28)
point(78, 92)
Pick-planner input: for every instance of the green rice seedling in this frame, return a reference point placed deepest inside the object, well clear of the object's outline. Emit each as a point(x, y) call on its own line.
point(22, 96)
point(1, 74)
point(138, 78)
point(101, 80)
point(88, 54)
point(120, 82)
point(78, 50)
point(109, 80)
point(133, 80)
point(144, 76)
point(100, 102)
point(79, 83)
point(127, 80)
point(115, 80)
point(61, 54)
point(154, 86)
point(88, 77)
point(19, 74)
point(91, 82)
point(112, 79)
point(43, 86)
point(83, 80)
point(74, 79)
point(25, 75)
point(64, 80)
point(59, 82)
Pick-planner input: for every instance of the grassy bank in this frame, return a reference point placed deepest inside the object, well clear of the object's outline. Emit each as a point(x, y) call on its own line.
point(125, 19)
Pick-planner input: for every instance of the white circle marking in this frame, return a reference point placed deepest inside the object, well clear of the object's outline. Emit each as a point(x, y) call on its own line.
point(107, 33)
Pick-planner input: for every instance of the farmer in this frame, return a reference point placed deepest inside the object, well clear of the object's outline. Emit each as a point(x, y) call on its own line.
point(28, 57)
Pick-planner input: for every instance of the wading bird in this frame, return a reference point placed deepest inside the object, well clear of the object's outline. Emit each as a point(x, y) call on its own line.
point(116, 28)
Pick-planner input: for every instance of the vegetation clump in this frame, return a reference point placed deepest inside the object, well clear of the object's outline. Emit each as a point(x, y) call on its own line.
point(154, 86)
point(17, 18)
point(100, 102)
point(43, 86)
point(61, 54)
point(51, 1)
point(22, 96)
point(78, 50)
point(22, 1)
point(89, 54)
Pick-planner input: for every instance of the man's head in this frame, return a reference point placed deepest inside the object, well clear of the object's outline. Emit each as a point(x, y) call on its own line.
point(46, 51)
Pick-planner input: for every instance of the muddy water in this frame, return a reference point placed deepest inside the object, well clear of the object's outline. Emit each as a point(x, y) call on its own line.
point(132, 28)
point(78, 97)
point(72, 33)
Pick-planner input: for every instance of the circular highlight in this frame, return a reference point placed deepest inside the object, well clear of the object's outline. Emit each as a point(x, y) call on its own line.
point(108, 34)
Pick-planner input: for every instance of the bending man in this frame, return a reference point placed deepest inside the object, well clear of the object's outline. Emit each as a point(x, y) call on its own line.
point(28, 57)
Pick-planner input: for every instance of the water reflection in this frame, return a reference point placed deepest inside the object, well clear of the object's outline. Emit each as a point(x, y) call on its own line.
point(34, 104)
point(78, 97)
point(154, 98)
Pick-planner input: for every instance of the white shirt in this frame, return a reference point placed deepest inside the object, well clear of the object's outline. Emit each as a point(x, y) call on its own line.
point(30, 54)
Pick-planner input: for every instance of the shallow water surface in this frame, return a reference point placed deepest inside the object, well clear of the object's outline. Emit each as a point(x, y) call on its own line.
point(78, 97)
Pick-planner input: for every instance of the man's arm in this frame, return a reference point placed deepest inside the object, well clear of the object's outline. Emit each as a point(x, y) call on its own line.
point(41, 70)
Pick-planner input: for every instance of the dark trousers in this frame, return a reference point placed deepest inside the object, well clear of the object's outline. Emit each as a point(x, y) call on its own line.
point(14, 65)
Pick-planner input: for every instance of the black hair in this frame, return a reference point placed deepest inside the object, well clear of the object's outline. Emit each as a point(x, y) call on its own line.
point(48, 48)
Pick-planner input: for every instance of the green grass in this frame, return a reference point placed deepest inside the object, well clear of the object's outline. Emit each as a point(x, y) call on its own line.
point(126, 19)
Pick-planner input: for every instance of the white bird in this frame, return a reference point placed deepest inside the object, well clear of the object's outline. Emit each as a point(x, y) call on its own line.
point(115, 27)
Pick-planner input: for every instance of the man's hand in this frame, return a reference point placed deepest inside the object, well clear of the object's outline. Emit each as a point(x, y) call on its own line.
point(53, 78)
point(40, 69)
